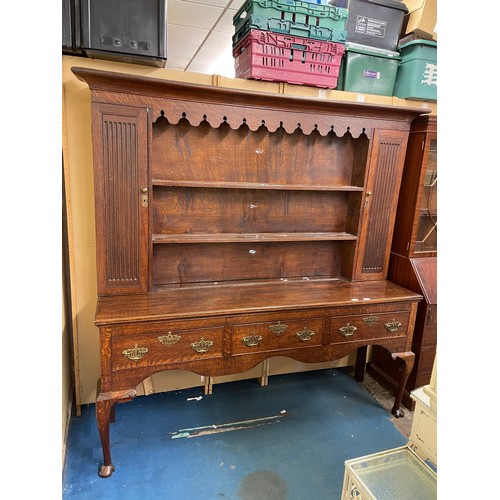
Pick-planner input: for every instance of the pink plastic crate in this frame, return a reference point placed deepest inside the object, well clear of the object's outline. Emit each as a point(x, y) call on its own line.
point(275, 57)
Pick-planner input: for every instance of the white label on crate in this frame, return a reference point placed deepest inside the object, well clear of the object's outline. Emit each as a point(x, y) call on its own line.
point(430, 75)
point(370, 27)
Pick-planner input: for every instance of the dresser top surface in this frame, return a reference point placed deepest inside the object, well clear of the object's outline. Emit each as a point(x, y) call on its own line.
point(241, 298)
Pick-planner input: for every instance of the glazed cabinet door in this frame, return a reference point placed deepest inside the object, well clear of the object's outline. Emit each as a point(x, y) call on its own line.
point(121, 198)
point(425, 236)
point(415, 227)
point(380, 203)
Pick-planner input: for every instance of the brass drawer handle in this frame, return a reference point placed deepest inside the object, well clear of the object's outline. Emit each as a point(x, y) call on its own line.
point(252, 340)
point(392, 326)
point(202, 345)
point(279, 328)
point(347, 330)
point(370, 320)
point(305, 334)
point(135, 353)
point(169, 339)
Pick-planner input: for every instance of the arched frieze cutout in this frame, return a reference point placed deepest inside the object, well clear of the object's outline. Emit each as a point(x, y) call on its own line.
point(272, 120)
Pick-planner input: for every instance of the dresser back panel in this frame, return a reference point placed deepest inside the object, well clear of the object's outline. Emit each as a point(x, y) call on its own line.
point(207, 210)
point(202, 153)
point(201, 262)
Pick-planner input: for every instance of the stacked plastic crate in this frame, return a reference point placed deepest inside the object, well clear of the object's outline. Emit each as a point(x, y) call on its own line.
point(372, 57)
point(417, 74)
point(293, 41)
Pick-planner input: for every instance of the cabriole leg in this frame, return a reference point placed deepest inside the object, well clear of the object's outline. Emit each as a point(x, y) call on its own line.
point(408, 359)
point(104, 414)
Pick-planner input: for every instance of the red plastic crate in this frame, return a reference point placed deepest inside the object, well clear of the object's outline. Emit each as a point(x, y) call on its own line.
point(275, 57)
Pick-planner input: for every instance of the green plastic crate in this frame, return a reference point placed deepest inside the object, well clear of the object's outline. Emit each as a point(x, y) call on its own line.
point(292, 17)
point(417, 73)
point(368, 70)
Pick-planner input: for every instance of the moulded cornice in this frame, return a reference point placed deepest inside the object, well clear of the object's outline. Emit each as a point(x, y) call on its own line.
point(218, 105)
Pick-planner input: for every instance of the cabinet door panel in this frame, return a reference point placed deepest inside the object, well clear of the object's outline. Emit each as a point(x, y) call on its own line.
point(380, 203)
point(120, 178)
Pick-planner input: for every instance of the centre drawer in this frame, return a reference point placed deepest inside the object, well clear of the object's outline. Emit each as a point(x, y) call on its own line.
point(161, 346)
point(369, 326)
point(277, 335)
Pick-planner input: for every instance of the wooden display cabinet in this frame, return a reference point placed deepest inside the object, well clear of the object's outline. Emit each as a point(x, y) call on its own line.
point(413, 261)
point(234, 226)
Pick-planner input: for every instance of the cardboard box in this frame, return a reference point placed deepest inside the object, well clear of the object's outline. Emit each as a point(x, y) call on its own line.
point(421, 18)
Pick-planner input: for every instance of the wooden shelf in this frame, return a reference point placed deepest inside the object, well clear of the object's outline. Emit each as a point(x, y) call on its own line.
point(426, 211)
point(252, 185)
point(250, 237)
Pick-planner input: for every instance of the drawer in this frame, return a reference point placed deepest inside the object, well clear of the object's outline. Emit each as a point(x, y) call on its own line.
point(276, 335)
point(369, 327)
point(165, 346)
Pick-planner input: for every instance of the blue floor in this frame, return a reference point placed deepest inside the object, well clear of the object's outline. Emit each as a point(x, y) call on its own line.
point(288, 440)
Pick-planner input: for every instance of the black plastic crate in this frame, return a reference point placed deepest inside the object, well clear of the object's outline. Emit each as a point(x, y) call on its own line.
point(125, 30)
point(376, 23)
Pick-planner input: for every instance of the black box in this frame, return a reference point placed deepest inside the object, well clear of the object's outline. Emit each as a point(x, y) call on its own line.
point(376, 23)
point(133, 31)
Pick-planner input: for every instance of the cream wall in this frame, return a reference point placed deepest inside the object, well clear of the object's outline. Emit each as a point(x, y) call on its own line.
point(80, 206)
point(67, 388)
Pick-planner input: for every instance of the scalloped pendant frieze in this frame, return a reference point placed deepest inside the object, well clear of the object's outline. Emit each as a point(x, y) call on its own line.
point(272, 120)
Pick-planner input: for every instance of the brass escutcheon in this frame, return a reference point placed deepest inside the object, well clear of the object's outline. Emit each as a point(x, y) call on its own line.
point(347, 330)
point(252, 340)
point(202, 345)
point(279, 328)
point(135, 353)
point(392, 326)
point(305, 334)
point(144, 197)
point(169, 340)
point(370, 320)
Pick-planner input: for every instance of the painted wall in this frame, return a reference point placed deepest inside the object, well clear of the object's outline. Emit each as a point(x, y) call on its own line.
point(80, 207)
point(66, 386)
